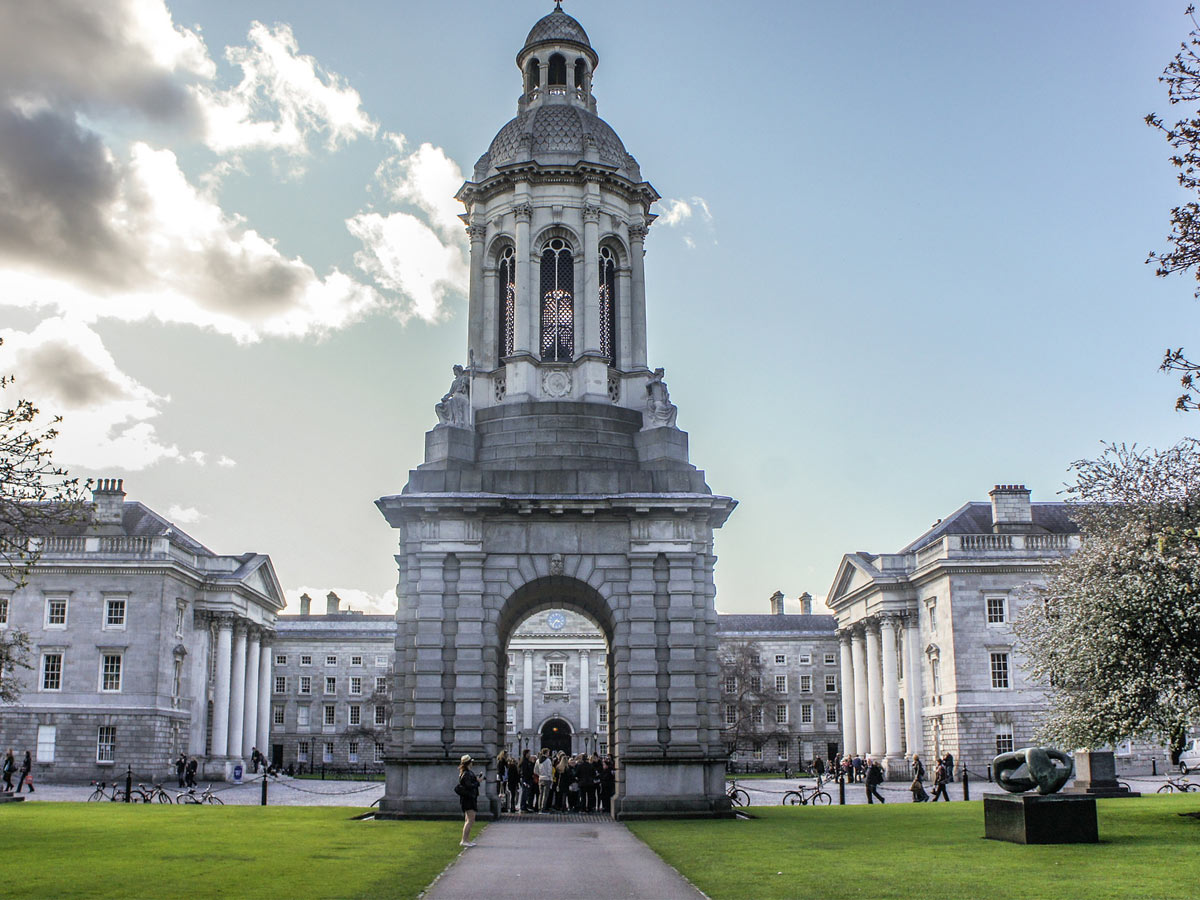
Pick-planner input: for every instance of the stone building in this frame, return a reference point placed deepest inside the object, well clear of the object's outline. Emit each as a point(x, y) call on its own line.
point(330, 697)
point(145, 644)
point(557, 477)
point(929, 662)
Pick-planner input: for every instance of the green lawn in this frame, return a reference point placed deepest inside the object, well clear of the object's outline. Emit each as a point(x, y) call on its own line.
point(68, 850)
point(925, 851)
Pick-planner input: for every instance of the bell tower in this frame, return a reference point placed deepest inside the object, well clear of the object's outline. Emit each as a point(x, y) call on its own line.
point(557, 475)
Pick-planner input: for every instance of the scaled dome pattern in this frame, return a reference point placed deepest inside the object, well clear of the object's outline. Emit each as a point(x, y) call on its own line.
point(556, 134)
point(557, 26)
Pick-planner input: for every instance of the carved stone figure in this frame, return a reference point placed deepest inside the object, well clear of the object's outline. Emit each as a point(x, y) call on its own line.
point(659, 408)
point(1040, 770)
point(455, 407)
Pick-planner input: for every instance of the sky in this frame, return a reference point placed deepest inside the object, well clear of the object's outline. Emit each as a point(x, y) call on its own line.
point(899, 259)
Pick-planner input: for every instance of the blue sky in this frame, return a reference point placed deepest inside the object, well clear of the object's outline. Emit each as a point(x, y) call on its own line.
point(900, 259)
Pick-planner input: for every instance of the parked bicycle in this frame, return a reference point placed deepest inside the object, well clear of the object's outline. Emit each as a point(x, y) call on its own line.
point(736, 795)
point(206, 796)
point(105, 791)
point(1173, 785)
point(154, 793)
point(804, 795)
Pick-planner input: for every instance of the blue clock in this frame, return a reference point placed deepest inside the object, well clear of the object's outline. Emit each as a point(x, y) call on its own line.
point(556, 621)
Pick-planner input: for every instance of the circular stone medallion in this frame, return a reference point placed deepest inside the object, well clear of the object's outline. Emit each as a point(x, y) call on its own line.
point(556, 384)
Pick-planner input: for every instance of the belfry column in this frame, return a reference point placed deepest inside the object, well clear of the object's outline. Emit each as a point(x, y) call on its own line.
point(527, 693)
point(263, 737)
point(525, 323)
point(590, 306)
point(477, 232)
point(637, 262)
point(891, 688)
point(862, 737)
point(585, 697)
point(849, 739)
point(220, 720)
point(250, 722)
point(913, 700)
point(237, 692)
point(875, 689)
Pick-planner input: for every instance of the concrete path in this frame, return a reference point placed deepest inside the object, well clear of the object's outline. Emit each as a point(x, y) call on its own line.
point(520, 860)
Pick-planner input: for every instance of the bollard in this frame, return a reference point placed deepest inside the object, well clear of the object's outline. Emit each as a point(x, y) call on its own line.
point(1154, 765)
point(128, 782)
point(322, 771)
point(966, 784)
point(841, 790)
point(989, 772)
point(264, 789)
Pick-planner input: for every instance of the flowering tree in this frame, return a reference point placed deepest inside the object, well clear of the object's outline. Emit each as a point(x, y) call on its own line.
point(748, 698)
point(36, 496)
point(1116, 629)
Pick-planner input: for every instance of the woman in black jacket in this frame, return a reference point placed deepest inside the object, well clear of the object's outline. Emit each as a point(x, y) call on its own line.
point(468, 796)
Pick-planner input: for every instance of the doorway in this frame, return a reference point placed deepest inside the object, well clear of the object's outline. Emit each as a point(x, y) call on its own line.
point(556, 736)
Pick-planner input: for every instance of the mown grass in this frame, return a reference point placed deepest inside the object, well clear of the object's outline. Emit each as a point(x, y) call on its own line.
point(93, 850)
point(1147, 850)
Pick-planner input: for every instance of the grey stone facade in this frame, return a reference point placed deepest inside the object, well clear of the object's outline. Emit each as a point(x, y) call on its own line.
point(123, 612)
point(557, 477)
point(341, 725)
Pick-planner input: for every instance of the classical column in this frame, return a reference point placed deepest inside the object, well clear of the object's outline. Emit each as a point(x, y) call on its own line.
point(875, 690)
point(913, 700)
point(849, 738)
point(263, 737)
point(475, 340)
point(250, 724)
point(585, 696)
point(220, 721)
point(237, 692)
point(637, 262)
point(891, 688)
point(527, 693)
point(525, 324)
point(590, 307)
point(862, 736)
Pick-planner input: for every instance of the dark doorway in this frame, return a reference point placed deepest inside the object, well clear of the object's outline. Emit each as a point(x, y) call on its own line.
point(277, 755)
point(831, 751)
point(556, 735)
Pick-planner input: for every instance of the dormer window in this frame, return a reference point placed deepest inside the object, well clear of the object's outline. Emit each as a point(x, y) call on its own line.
point(558, 302)
point(558, 70)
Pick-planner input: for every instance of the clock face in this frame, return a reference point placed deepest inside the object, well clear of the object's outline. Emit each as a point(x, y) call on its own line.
point(556, 621)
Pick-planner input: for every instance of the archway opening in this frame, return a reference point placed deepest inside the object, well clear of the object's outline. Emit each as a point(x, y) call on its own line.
point(556, 737)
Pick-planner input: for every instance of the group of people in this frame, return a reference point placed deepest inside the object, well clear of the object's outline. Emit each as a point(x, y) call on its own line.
point(869, 771)
point(554, 782)
point(943, 774)
point(9, 768)
point(185, 770)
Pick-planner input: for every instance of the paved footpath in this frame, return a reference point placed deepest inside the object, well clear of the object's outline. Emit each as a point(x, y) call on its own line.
point(564, 860)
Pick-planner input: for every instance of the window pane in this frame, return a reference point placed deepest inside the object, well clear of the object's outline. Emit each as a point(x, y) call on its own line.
point(52, 672)
point(110, 672)
point(114, 613)
point(106, 743)
point(45, 743)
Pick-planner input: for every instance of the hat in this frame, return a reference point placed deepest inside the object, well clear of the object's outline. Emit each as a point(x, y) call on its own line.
point(466, 758)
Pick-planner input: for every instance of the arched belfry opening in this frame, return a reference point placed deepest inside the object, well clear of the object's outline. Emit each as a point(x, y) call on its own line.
point(556, 490)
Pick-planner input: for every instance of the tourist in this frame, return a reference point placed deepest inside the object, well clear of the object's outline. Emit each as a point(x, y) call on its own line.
point(545, 779)
point(857, 762)
point(940, 777)
point(819, 768)
point(255, 759)
point(608, 784)
point(180, 766)
point(586, 773)
point(190, 772)
point(468, 797)
point(25, 778)
point(874, 778)
point(948, 760)
point(917, 788)
point(514, 785)
point(528, 781)
point(502, 780)
point(7, 770)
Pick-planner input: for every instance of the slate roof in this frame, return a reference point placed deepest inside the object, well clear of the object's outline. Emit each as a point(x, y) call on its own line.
point(773, 624)
point(1050, 517)
point(557, 26)
point(555, 134)
point(141, 521)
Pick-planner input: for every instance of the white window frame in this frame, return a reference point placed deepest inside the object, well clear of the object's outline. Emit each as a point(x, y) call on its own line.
point(831, 659)
point(831, 714)
point(180, 616)
point(356, 660)
point(783, 751)
point(729, 683)
point(352, 752)
point(280, 659)
point(381, 684)
point(1002, 601)
point(1000, 656)
point(62, 665)
point(305, 686)
point(327, 751)
point(1004, 738)
point(105, 656)
point(931, 608)
point(47, 735)
point(280, 684)
point(106, 750)
point(329, 715)
point(831, 684)
point(303, 716)
point(806, 684)
point(330, 661)
point(355, 714)
point(277, 715)
point(806, 713)
point(379, 753)
point(5, 600)
point(781, 714)
point(111, 604)
point(330, 685)
point(781, 659)
point(355, 685)
point(602, 714)
point(381, 716)
point(381, 660)
point(757, 751)
point(730, 715)
point(781, 684)
point(559, 679)
point(756, 715)
point(306, 659)
point(806, 659)
point(302, 751)
point(52, 599)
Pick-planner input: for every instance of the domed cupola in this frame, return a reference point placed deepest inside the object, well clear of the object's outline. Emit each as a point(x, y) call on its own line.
point(558, 27)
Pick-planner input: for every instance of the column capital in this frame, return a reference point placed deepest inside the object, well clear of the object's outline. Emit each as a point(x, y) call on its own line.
point(477, 232)
point(528, 654)
point(591, 213)
point(846, 634)
point(638, 232)
point(223, 621)
point(890, 620)
point(871, 624)
point(523, 211)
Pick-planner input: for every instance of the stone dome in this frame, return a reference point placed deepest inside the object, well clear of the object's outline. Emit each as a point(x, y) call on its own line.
point(557, 26)
point(556, 134)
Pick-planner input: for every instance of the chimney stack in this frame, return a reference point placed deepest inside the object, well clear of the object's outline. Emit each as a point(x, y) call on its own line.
point(806, 604)
point(332, 601)
point(777, 603)
point(305, 605)
point(1011, 510)
point(108, 502)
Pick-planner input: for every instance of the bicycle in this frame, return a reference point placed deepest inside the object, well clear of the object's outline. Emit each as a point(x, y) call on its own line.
point(155, 793)
point(1184, 787)
point(105, 791)
point(736, 795)
point(207, 796)
point(803, 796)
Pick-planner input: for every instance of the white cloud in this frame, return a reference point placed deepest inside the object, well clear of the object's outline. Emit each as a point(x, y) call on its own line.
point(282, 100)
point(106, 415)
point(428, 179)
point(675, 213)
point(226, 463)
point(184, 515)
point(383, 603)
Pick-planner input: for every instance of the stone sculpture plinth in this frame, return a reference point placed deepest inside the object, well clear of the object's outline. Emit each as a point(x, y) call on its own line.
point(1096, 775)
point(1037, 819)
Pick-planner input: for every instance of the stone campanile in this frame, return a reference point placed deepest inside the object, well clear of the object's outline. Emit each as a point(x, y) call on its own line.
point(556, 475)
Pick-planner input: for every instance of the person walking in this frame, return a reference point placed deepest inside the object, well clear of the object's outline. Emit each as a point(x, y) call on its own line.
point(190, 773)
point(468, 797)
point(180, 768)
point(857, 762)
point(9, 766)
point(25, 779)
point(939, 782)
point(514, 786)
point(917, 788)
point(874, 778)
point(948, 760)
point(502, 780)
